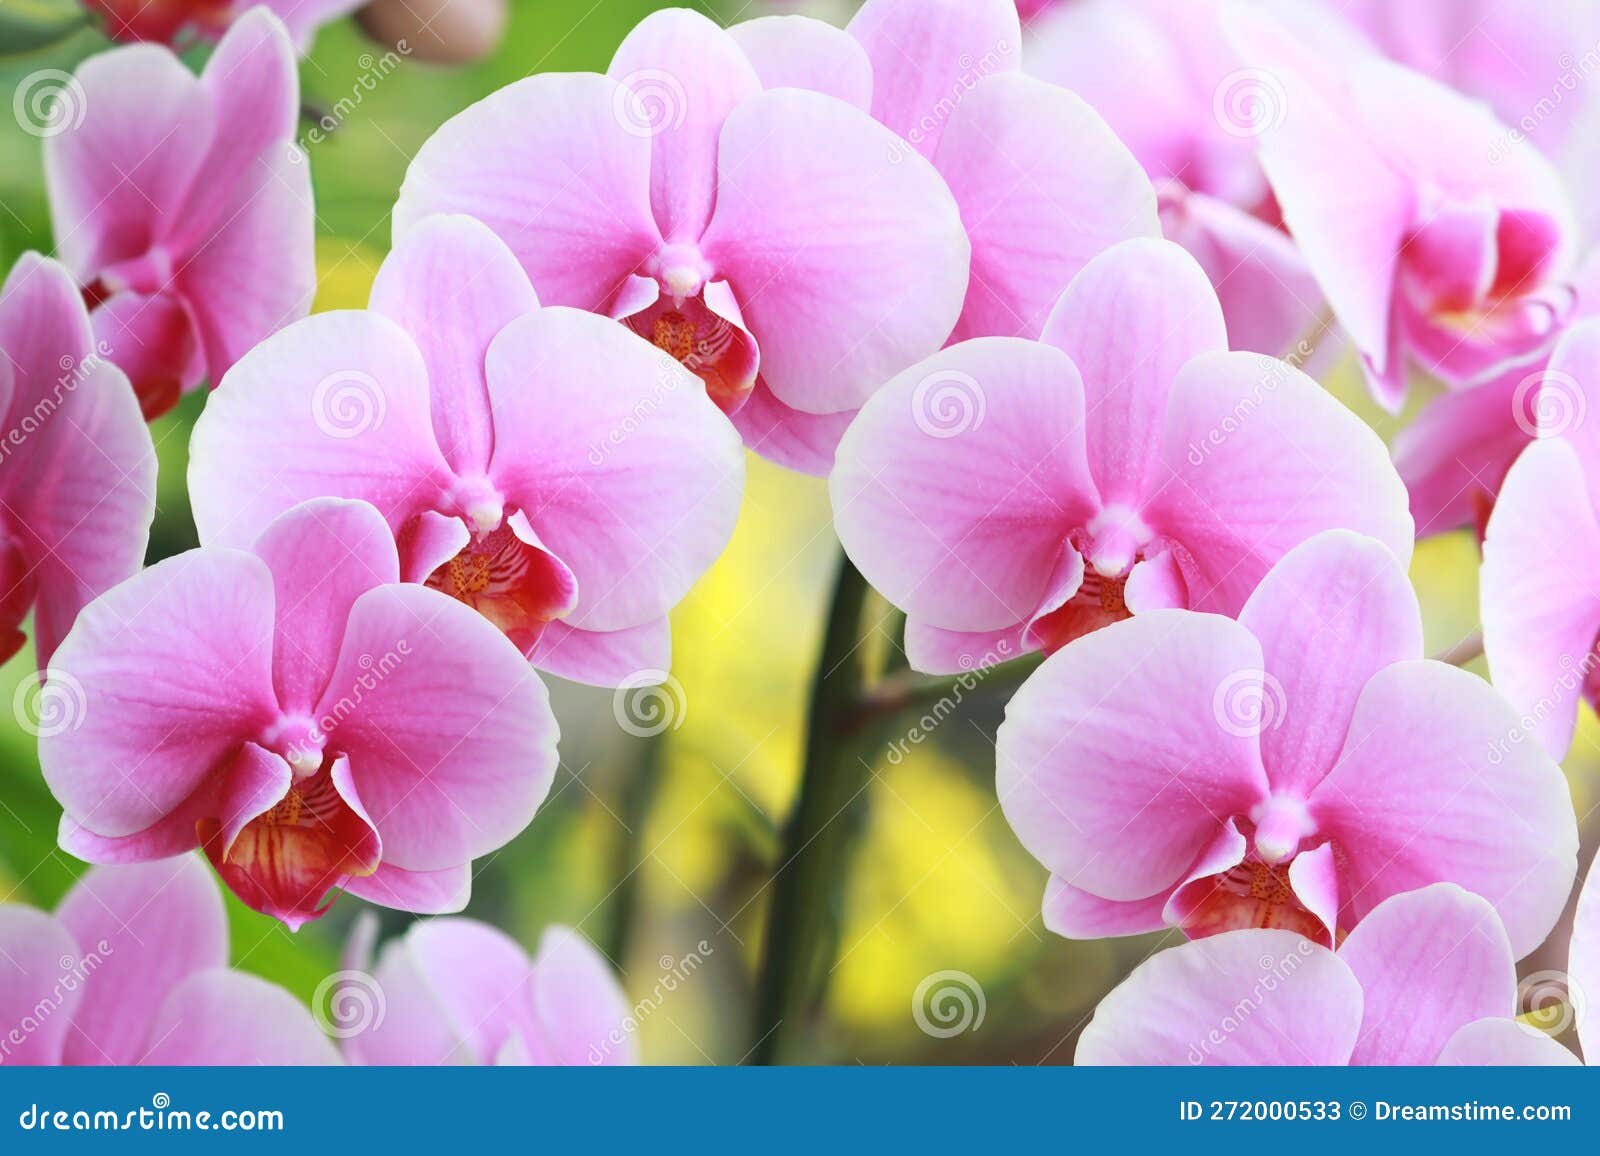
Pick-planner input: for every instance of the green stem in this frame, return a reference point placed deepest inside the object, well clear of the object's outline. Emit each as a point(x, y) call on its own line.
point(801, 923)
point(639, 795)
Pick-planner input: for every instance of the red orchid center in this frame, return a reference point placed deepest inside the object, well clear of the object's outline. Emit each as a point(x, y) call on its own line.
point(515, 585)
point(709, 346)
point(1249, 894)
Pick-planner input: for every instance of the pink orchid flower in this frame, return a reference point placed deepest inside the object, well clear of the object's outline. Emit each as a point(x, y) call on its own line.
point(183, 207)
point(1540, 603)
point(456, 991)
point(307, 719)
point(1435, 236)
point(133, 969)
point(1013, 495)
point(1192, 121)
point(77, 468)
point(544, 466)
point(1427, 978)
point(778, 242)
point(183, 22)
point(1291, 769)
point(1583, 964)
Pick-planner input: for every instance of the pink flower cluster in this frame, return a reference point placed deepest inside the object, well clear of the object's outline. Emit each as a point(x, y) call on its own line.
point(1049, 337)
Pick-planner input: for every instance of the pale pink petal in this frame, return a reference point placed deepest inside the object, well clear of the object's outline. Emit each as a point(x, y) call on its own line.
point(1117, 784)
point(441, 892)
point(1258, 458)
point(1076, 914)
point(935, 651)
point(1434, 784)
point(449, 733)
point(683, 76)
point(1501, 1042)
point(1132, 319)
point(227, 1018)
point(1540, 601)
point(603, 657)
point(428, 541)
point(580, 1007)
point(1156, 583)
point(801, 52)
point(1314, 877)
point(37, 955)
point(957, 484)
point(550, 165)
point(845, 251)
point(452, 285)
point(1455, 453)
point(1333, 612)
point(1036, 216)
point(790, 437)
point(1430, 962)
point(1245, 997)
point(926, 53)
point(116, 180)
point(323, 554)
point(167, 673)
point(1583, 962)
point(625, 469)
point(334, 406)
point(146, 927)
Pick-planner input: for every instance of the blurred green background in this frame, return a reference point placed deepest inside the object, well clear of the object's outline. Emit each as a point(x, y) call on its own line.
point(651, 846)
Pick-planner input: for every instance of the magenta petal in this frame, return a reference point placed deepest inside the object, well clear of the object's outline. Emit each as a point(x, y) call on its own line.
point(1077, 914)
point(1037, 216)
point(935, 651)
point(792, 438)
point(440, 892)
point(1243, 997)
point(584, 1017)
point(1114, 783)
point(1433, 786)
point(802, 52)
point(147, 927)
point(1501, 1042)
point(1430, 962)
point(37, 954)
point(845, 251)
point(603, 657)
point(221, 1017)
point(550, 166)
point(452, 285)
point(171, 670)
point(449, 733)
point(1333, 612)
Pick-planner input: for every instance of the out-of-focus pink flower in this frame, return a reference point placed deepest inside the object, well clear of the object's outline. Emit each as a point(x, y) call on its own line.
point(1292, 769)
point(778, 242)
point(133, 969)
point(1427, 978)
point(439, 31)
point(1583, 964)
point(1192, 121)
point(183, 22)
point(456, 991)
point(1436, 237)
point(183, 206)
point(1013, 495)
point(303, 716)
point(1540, 598)
point(544, 466)
point(77, 469)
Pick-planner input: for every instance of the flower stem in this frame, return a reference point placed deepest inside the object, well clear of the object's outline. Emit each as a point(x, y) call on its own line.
point(801, 926)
